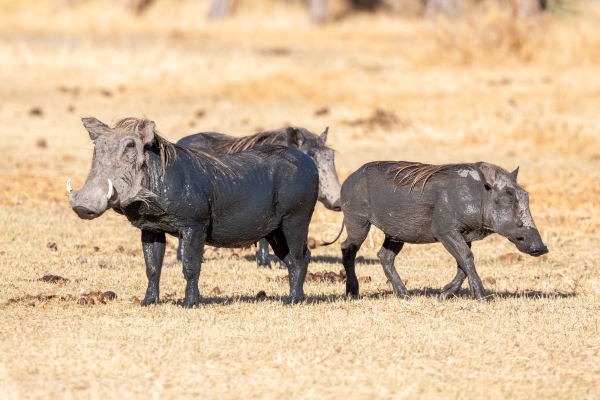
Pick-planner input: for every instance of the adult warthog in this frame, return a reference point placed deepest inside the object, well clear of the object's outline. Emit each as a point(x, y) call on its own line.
point(453, 204)
point(219, 144)
point(165, 188)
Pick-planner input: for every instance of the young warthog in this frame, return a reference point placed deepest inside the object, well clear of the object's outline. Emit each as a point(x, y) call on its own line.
point(267, 192)
point(418, 203)
point(219, 144)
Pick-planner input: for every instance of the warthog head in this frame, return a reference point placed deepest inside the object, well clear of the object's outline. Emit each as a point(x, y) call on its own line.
point(329, 184)
point(116, 175)
point(506, 210)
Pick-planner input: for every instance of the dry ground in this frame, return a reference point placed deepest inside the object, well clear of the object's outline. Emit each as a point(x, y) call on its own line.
point(488, 88)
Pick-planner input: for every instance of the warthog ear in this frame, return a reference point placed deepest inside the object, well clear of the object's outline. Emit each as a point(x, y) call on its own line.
point(145, 131)
point(95, 128)
point(489, 173)
point(323, 136)
point(514, 174)
point(295, 138)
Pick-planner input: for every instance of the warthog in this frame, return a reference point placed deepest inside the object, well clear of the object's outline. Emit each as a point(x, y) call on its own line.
point(165, 188)
point(219, 144)
point(453, 204)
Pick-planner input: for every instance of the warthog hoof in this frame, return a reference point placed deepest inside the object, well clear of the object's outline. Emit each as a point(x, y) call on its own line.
point(289, 300)
point(149, 300)
point(190, 303)
point(352, 289)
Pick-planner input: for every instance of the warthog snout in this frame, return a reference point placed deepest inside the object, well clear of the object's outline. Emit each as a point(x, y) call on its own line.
point(91, 201)
point(539, 251)
point(85, 213)
point(337, 206)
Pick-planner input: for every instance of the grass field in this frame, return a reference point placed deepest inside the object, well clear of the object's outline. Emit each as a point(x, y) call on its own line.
point(514, 93)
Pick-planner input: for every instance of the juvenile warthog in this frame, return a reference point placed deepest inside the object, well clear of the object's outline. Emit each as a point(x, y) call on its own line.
point(453, 204)
point(219, 144)
point(267, 192)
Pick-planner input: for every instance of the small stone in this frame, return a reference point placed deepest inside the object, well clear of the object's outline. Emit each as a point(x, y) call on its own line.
point(52, 246)
point(215, 292)
point(511, 257)
point(261, 295)
point(82, 260)
point(41, 143)
point(108, 296)
point(322, 111)
point(135, 300)
point(332, 277)
point(82, 301)
point(53, 279)
point(102, 264)
point(96, 248)
point(490, 280)
point(36, 111)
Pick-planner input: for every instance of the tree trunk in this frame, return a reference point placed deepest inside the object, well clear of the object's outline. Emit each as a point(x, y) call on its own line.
point(137, 6)
point(319, 11)
point(220, 9)
point(447, 8)
point(411, 7)
point(528, 8)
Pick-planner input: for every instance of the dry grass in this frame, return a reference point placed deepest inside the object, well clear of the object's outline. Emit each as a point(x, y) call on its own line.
point(489, 88)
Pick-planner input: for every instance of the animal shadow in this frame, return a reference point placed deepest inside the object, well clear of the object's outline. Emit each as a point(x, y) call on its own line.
point(318, 259)
point(465, 293)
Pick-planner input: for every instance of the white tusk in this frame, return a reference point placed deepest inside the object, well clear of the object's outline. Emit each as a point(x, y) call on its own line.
point(110, 190)
point(69, 186)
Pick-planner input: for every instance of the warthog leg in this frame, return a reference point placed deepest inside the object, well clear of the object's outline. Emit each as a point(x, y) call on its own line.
point(289, 244)
point(192, 243)
point(262, 255)
point(357, 229)
point(153, 245)
point(453, 287)
point(387, 254)
point(460, 250)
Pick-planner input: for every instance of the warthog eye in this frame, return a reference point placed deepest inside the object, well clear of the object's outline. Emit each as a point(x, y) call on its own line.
point(130, 145)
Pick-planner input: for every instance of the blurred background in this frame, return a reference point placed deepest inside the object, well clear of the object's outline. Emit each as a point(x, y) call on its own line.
point(513, 82)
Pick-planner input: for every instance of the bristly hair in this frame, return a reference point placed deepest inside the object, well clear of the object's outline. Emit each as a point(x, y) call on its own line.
point(248, 142)
point(413, 173)
point(275, 137)
point(168, 150)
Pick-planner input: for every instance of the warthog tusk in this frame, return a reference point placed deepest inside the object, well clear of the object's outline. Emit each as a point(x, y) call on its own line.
point(110, 190)
point(69, 186)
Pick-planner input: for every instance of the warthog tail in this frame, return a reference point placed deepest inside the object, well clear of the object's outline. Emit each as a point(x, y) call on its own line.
point(336, 239)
